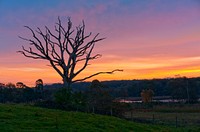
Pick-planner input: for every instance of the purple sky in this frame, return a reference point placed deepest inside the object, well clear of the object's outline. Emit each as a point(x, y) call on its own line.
point(146, 38)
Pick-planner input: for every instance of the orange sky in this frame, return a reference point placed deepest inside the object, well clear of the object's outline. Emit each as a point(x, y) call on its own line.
point(147, 39)
point(134, 68)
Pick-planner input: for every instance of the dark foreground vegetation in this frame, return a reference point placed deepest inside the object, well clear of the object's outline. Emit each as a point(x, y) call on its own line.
point(29, 118)
point(103, 98)
point(177, 88)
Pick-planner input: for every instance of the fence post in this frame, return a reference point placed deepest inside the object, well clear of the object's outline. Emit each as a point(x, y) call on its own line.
point(176, 121)
point(131, 115)
point(153, 119)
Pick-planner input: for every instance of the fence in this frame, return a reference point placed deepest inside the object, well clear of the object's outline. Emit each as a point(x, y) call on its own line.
point(172, 119)
point(162, 118)
point(173, 114)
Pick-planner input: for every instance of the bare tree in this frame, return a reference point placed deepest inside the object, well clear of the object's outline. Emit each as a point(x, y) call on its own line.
point(64, 48)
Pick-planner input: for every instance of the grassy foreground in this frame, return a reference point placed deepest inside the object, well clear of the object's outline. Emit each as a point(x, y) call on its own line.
point(29, 118)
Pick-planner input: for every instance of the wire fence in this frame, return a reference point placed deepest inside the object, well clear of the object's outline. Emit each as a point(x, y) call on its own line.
point(161, 118)
point(172, 119)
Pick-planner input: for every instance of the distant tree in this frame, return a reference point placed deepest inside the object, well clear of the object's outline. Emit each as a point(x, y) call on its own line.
point(2, 85)
point(65, 49)
point(183, 89)
point(192, 92)
point(99, 97)
point(20, 85)
point(198, 87)
point(10, 85)
point(178, 88)
point(147, 95)
point(39, 85)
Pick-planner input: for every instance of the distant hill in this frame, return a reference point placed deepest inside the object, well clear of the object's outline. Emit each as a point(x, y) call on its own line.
point(133, 88)
point(28, 118)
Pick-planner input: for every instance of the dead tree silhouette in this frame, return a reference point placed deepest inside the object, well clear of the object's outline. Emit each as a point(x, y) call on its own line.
point(64, 48)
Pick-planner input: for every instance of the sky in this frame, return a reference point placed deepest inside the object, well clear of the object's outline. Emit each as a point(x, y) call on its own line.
point(146, 38)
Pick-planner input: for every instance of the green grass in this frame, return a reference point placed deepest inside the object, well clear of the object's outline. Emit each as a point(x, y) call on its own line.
point(168, 114)
point(20, 118)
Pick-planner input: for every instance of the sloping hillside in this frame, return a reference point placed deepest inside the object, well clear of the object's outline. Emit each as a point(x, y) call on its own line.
point(29, 118)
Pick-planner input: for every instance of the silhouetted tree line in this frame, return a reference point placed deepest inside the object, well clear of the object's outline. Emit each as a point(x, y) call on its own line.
point(20, 93)
point(98, 96)
point(177, 88)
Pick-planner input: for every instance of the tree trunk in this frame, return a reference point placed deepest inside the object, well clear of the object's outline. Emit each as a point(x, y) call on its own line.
point(67, 85)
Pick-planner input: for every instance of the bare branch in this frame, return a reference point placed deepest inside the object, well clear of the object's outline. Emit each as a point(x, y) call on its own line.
point(91, 58)
point(97, 74)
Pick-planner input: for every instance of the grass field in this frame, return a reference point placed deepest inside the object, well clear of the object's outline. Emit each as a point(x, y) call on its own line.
point(174, 115)
point(28, 118)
